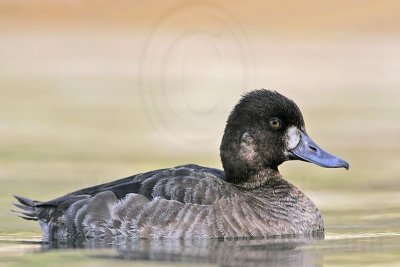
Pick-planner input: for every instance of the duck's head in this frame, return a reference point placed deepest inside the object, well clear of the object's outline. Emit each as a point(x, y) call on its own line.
point(265, 129)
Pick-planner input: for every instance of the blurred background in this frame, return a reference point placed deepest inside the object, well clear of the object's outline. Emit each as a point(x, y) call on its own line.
point(91, 91)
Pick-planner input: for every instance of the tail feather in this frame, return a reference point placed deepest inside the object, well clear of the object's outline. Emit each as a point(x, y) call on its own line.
point(23, 207)
point(28, 208)
point(28, 218)
point(26, 201)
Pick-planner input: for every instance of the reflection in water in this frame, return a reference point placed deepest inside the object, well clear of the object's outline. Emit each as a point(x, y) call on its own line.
point(356, 248)
point(235, 252)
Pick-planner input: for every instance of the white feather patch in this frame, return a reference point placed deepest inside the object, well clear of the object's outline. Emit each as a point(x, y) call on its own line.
point(292, 137)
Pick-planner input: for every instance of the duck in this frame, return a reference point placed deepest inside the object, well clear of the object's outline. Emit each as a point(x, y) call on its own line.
point(249, 198)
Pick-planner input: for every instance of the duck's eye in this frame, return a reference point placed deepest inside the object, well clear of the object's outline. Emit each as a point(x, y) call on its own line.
point(275, 123)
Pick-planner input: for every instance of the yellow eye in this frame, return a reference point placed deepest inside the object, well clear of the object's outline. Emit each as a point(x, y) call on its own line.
point(275, 123)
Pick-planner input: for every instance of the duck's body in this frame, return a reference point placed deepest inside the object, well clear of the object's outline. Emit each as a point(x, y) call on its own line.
point(249, 199)
point(181, 202)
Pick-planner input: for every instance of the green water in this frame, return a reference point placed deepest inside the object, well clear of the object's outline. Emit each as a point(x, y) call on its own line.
point(366, 233)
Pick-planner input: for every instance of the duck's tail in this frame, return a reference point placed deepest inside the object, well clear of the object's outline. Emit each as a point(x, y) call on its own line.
point(34, 210)
point(28, 208)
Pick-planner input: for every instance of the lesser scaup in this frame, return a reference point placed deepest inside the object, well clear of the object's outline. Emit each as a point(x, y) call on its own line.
point(249, 198)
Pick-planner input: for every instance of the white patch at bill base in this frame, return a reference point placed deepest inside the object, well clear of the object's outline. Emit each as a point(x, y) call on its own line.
point(292, 137)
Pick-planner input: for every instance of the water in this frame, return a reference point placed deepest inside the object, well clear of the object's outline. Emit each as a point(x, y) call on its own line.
point(360, 237)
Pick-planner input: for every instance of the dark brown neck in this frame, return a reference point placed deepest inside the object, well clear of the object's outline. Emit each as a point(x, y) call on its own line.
point(259, 178)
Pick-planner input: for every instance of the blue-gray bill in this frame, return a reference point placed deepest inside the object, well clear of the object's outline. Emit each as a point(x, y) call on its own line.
point(309, 151)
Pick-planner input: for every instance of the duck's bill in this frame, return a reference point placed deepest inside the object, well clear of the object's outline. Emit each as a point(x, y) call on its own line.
point(309, 151)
